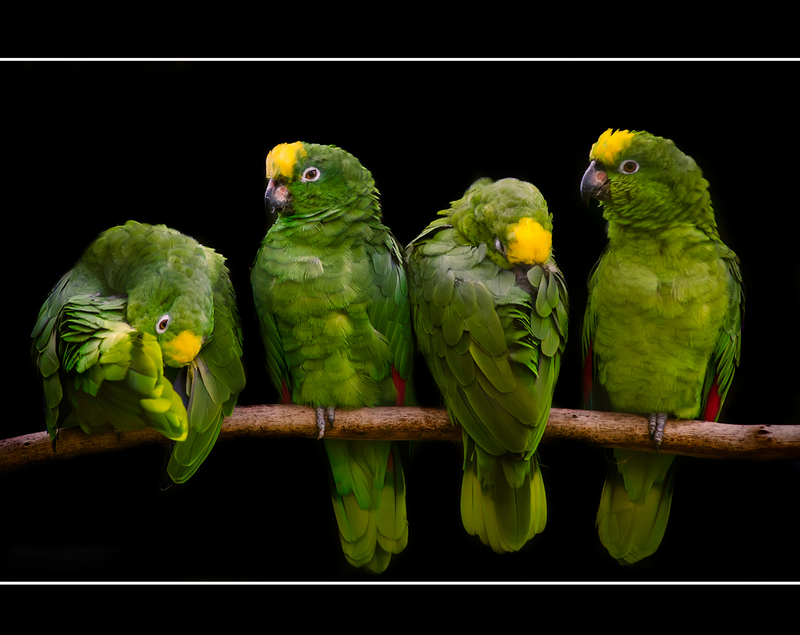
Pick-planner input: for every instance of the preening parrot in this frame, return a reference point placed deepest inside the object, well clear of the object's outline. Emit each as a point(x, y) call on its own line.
point(490, 310)
point(661, 334)
point(331, 296)
point(143, 331)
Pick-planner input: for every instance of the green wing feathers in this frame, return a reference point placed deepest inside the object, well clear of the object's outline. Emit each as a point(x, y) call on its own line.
point(390, 315)
point(727, 351)
point(113, 376)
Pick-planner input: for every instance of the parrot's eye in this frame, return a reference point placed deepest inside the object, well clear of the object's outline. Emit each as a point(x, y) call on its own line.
point(310, 174)
point(163, 324)
point(629, 167)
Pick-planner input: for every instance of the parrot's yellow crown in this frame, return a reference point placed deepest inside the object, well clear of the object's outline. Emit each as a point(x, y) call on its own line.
point(610, 145)
point(283, 157)
point(528, 243)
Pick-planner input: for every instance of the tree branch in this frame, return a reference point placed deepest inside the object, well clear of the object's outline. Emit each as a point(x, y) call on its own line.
point(700, 439)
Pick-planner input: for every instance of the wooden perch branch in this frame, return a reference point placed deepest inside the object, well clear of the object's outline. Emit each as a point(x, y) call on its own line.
point(701, 439)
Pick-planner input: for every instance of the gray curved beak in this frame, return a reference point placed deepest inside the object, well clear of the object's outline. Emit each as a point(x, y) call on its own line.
point(594, 184)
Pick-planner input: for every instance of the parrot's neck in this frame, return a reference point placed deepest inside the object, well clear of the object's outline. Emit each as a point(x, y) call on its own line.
point(336, 227)
point(666, 239)
point(659, 217)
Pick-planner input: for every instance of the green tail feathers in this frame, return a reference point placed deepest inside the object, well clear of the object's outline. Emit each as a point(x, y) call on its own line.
point(635, 503)
point(503, 500)
point(369, 501)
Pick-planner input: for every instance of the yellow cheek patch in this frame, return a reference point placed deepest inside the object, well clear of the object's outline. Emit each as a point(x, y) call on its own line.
point(283, 157)
point(183, 348)
point(610, 145)
point(529, 243)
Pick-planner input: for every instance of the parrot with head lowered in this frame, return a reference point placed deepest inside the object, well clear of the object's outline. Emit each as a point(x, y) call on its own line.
point(331, 296)
point(143, 332)
point(661, 334)
point(490, 310)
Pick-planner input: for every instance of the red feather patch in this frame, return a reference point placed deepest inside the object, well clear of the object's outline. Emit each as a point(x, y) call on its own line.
point(587, 379)
point(286, 397)
point(400, 387)
point(713, 403)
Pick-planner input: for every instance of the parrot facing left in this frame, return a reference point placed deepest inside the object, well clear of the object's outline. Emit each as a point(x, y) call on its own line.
point(662, 329)
point(332, 302)
point(143, 332)
point(490, 311)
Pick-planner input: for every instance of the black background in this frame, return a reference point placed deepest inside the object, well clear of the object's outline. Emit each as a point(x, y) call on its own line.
point(89, 145)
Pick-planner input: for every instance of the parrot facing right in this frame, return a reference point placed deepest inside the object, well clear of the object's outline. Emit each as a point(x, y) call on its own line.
point(490, 311)
point(143, 332)
point(661, 334)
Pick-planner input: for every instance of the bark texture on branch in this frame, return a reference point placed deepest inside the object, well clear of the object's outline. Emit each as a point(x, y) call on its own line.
point(700, 439)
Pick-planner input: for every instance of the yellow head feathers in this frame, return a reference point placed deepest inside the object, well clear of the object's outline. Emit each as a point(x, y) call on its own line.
point(283, 157)
point(528, 242)
point(610, 145)
point(183, 348)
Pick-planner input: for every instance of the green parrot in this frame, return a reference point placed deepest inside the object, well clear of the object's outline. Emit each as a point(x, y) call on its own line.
point(331, 296)
point(143, 331)
point(490, 310)
point(661, 334)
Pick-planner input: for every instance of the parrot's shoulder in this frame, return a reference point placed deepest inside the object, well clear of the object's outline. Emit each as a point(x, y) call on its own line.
point(381, 240)
point(389, 279)
point(444, 248)
point(218, 271)
point(735, 286)
point(431, 232)
point(730, 259)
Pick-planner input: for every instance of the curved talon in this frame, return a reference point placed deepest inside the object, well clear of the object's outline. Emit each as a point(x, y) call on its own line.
point(657, 422)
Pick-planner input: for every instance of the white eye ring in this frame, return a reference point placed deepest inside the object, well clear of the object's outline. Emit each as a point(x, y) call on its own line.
point(310, 174)
point(628, 166)
point(163, 323)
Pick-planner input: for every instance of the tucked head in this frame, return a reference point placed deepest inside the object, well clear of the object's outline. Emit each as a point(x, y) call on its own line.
point(177, 307)
point(508, 215)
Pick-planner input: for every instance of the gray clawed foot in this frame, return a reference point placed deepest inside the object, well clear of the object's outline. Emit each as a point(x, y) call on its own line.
point(657, 422)
point(321, 412)
point(320, 422)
